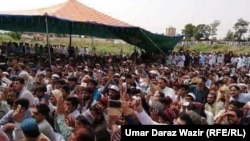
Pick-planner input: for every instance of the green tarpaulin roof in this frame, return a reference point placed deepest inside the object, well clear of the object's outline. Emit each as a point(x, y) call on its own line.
point(96, 24)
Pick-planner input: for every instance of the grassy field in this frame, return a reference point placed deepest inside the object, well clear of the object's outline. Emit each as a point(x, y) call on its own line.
point(215, 48)
point(103, 45)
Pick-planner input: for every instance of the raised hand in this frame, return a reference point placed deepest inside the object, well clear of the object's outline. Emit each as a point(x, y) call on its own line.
point(18, 114)
point(60, 106)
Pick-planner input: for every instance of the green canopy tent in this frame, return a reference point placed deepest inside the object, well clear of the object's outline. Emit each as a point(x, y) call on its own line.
point(73, 17)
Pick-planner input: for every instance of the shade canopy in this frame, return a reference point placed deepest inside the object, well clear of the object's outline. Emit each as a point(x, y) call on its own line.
point(73, 17)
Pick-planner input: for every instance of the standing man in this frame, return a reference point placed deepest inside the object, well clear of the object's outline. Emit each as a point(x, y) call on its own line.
point(199, 89)
point(162, 82)
point(22, 92)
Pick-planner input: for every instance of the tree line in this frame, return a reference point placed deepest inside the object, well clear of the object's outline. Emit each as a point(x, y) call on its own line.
point(206, 31)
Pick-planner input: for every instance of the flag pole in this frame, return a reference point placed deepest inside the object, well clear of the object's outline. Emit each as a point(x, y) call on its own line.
point(47, 38)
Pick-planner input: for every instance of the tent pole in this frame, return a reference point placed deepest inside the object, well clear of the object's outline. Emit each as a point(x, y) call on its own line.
point(70, 34)
point(47, 32)
point(92, 45)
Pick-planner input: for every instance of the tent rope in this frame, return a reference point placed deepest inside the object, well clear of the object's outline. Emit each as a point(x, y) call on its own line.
point(153, 42)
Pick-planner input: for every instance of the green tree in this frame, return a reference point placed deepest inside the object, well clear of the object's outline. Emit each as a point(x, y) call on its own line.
point(230, 36)
point(188, 31)
point(240, 27)
point(213, 27)
point(248, 38)
point(202, 31)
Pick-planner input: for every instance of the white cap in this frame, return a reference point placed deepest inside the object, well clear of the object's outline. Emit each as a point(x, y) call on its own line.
point(187, 81)
point(186, 77)
point(166, 68)
point(6, 73)
point(41, 73)
point(55, 76)
point(56, 93)
point(192, 95)
point(242, 85)
point(23, 74)
point(154, 72)
point(114, 87)
point(83, 84)
point(89, 117)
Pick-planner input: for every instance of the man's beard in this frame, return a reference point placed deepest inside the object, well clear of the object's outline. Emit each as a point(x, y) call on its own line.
point(10, 102)
point(211, 103)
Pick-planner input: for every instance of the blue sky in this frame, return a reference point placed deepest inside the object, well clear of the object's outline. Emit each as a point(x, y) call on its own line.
point(157, 15)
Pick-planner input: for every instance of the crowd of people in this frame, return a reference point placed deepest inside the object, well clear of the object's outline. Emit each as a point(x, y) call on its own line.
point(88, 97)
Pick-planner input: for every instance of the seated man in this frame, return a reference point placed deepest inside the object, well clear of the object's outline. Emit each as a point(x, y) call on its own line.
point(7, 122)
